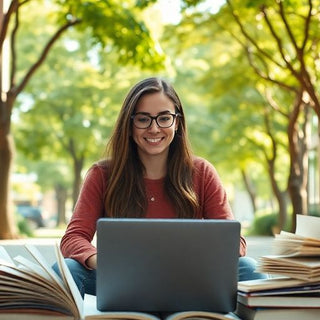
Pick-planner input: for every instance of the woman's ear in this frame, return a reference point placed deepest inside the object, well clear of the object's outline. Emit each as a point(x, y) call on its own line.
point(176, 125)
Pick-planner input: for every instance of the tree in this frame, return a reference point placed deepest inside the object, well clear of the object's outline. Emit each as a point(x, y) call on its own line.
point(292, 30)
point(110, 23)
point(281, 43)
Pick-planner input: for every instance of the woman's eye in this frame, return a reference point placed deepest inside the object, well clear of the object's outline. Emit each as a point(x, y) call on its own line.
point(164, 118)
point(143, 119)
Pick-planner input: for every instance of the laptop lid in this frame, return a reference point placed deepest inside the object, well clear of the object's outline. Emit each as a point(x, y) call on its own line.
point(167, 265)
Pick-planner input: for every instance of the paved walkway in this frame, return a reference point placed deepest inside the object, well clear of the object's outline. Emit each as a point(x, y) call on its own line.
point(258, 246)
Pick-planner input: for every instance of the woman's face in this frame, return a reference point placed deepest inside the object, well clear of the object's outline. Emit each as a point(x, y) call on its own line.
point(154, 140)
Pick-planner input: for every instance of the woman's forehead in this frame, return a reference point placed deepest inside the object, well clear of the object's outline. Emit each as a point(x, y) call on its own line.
point(155, 103)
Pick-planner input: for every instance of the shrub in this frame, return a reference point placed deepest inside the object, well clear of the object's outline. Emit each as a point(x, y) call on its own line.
point(314, 210)
point(23, 226)
point(264, 224)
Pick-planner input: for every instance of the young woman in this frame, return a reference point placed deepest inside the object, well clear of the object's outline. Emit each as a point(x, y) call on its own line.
point(149, 172)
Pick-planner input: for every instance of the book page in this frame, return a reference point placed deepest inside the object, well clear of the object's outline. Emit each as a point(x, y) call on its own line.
point(307, 269)
point(43, 263)
point(69, 282)
point(92, 313)
point(288, 237)
point(20, 274)
point(304, 288)
point(32, 267)
point(268, 284)
point(34, 286)
point(201, 315)
point(69, 296)
point(11, 283)
point(32, 314)
point(293, 245)
point(19, 284)
point(301, 262)
point(5, 257)
point(114, 315)
point(308, 226)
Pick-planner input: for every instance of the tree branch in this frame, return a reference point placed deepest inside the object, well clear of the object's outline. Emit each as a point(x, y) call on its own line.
point(249, 38)
point(287, 27)
point(307, 26)
point(43, 56)
point(293, 120)
point(278, 41)
point(273, 104)
point(14, 5)
point(303, 76)
point(249, 54)
point(13, 49)
point(267, 123)
point(6, 20)
point(266, 76)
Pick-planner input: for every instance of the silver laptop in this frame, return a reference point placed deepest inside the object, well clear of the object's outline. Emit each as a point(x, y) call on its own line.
point(167, 265)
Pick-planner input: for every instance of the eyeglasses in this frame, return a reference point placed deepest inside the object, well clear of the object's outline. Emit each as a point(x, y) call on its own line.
point(144, 121)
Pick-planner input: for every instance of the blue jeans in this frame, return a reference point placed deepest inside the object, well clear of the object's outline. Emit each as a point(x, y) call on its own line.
point(86, 279)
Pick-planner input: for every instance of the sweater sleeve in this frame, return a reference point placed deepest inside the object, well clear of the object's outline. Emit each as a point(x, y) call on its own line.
point(76, 242)
point(213, 197)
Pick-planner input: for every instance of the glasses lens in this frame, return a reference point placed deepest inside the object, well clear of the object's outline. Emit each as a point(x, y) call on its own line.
point(165, 120)
point(142, 121)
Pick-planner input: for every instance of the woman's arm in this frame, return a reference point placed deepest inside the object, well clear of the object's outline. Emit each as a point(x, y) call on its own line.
point(76, 242)
point(212, 196)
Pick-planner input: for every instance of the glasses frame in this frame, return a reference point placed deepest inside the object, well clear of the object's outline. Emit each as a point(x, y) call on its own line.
point(174, 115)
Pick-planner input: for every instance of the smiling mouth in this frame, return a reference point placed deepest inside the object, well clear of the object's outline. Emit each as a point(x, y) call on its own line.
point(153, 140)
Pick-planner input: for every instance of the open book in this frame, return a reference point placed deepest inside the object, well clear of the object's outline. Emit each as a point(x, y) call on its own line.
point(296, 255)
point(303, 268)
point(32, 290)
point(304, 242)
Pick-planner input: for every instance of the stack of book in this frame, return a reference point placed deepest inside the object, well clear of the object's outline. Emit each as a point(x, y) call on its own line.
point(293, 289)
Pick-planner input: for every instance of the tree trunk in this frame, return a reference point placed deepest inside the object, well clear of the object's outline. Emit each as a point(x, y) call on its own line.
point(298, 176)
point(8, 228)
point(61, 195)
point(77, 167)
point(318, 161)
point(250, 189)
point(280, 196)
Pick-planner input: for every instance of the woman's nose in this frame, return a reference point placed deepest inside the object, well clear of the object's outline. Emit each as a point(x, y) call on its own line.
point(154, 126)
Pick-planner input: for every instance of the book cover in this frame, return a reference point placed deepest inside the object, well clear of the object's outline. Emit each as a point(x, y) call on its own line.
point(310, 300)
point(271, 284)
point(248, 313)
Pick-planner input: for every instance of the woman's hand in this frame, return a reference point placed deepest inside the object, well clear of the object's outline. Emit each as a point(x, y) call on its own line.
point(92, 262)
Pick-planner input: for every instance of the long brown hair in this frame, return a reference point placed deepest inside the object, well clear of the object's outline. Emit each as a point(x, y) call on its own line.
point(126, 195)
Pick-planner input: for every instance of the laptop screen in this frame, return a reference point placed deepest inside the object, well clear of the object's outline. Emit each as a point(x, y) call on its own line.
point(167, 265)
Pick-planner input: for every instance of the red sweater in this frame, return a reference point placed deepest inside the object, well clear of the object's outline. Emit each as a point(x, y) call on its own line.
point(76, 242)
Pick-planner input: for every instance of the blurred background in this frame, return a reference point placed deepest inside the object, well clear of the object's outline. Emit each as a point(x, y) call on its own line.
point(247, 73)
